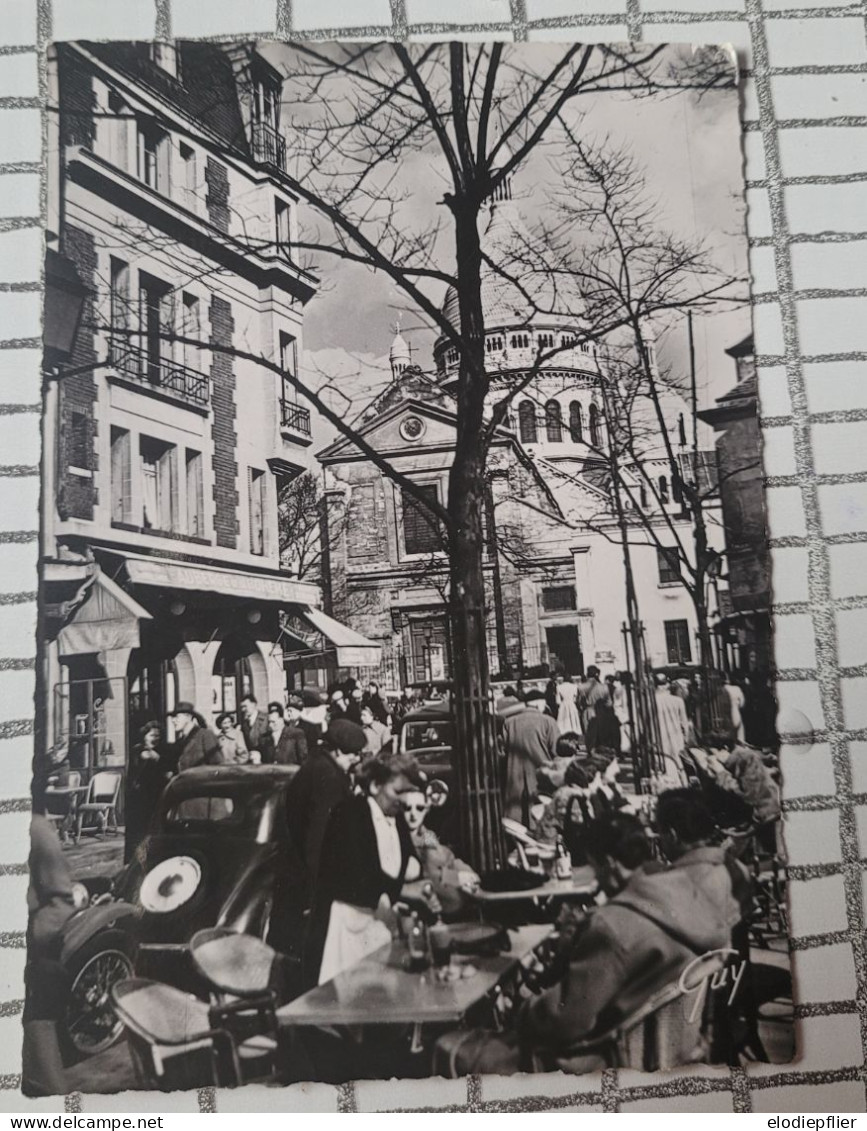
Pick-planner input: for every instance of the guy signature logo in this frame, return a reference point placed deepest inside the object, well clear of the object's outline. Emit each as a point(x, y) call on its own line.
point(711, 971)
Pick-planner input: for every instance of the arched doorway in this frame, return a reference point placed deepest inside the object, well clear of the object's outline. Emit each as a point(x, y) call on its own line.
point(238, 671)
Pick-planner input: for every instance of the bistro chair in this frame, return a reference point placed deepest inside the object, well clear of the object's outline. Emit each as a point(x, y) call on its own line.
point(240, 971)
point(60, 806)
point(101, 801)
point(171, 1038)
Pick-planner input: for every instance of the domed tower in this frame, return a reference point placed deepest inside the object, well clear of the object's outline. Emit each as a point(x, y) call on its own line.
point(399, 355)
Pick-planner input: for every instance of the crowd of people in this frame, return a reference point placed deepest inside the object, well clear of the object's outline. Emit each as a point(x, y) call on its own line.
point(671, 885)
point(282, 734)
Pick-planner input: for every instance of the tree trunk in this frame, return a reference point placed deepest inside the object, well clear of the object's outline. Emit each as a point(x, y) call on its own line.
point(475, 750)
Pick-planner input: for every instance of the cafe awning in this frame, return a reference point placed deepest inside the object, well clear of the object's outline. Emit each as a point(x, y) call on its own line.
point(109, 618)
point(352, 649)
point(168, 574)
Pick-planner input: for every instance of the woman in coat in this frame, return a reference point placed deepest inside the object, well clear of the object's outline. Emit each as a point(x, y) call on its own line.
point(366, 856)
point(148, 772)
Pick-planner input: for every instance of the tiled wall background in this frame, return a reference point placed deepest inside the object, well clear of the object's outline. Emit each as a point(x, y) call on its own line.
point(805, 110)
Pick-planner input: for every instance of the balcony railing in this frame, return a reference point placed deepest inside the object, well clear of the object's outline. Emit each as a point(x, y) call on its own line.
point(295, 418)
point(161, 375)
point(269, 148)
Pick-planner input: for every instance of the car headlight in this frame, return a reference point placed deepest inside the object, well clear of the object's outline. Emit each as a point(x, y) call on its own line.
point(80, 896)
point(170, 884)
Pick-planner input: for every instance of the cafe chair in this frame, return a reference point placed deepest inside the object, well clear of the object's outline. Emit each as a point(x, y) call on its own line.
point(59, 804)
point(664, 1032)
point(101, 801)
point(240, 971)
point(171, 1039)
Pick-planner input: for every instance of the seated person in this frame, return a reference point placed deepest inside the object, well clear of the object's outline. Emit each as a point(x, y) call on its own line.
point(656, 922)
point(451, 879)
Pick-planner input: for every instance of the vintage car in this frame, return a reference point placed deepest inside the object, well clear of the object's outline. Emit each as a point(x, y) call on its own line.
point(217, 844)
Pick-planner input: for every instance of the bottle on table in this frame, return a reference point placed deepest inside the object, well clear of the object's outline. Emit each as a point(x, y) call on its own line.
point(417, 944)
point(562, 861)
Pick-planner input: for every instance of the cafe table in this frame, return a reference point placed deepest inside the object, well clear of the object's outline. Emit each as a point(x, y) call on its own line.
point(581, 884)
point(380, 991)
point(70, 795)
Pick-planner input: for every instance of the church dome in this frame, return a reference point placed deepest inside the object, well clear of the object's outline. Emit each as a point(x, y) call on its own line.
point(530, 302)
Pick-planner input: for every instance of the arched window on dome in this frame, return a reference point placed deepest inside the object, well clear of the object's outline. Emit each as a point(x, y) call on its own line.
point(663, 490)
point(576, 422)
point(594, 426)
point(527, 423)
point(554, 422)
point(677, 489)
point(643, 496)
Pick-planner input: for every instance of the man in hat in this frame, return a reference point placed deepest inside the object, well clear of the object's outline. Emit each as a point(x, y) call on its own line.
point(256, 731)
point(314, 717)
point(321, 784)
point(530, 740)
point(287, 739)
point(195, 745)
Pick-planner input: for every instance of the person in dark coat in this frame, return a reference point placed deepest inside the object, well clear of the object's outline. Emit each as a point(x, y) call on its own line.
point(530, 741)
point(657, 921)
point(256, 731)
point(288, 743)
point(377, 704)
point(146, 777)
point(367, 854)
point(195, 744)
point(320, 785)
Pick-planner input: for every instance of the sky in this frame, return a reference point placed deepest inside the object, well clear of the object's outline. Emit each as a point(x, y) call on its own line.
point(690, 149)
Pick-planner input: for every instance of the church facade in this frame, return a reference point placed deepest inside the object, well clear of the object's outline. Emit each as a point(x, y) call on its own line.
point(554, 559)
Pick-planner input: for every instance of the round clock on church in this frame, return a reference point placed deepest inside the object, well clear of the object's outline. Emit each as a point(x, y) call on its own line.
point(412, 428)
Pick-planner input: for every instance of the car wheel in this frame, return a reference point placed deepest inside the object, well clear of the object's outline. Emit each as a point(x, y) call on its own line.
point(90, 1024)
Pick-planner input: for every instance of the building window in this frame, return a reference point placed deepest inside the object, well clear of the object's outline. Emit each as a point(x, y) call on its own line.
point(576, 422)
point(118, 315)
point(554, 422)
point(494, 344)
point(188, 167)
point(585, 347)
point(567, 340)
point(153, 156)
point(257, 511)
point(157, 320)
point(677, 641)
point(191, 328)
point(663, 490)
point(266, 102)
point(282, 231)
point(520, 341)
point(546, 341)
point(677, 489)
point(195, 495)
point(527, 423)
point(643, 496)
point(121, 476)
point(668, 564)
point(78, 448)
point(421, 531)
point(594, 426)
point(159, 484)
point(558, 599)
point(681, 430)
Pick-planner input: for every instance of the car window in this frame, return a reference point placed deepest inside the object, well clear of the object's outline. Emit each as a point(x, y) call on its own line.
point(424, 734)
point(210, 808)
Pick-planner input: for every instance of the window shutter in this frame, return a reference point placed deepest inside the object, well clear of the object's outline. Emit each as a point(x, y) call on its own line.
point(167, 324)
point(421, 534)
point(164, 164)
point(171, 461)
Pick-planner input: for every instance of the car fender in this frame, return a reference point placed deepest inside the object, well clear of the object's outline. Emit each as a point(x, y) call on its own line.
point(91, 921)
